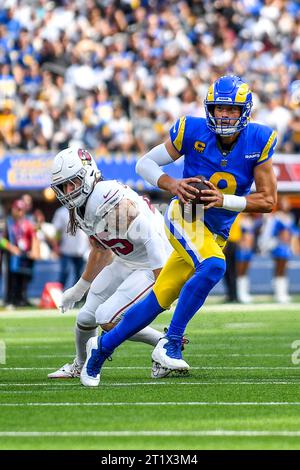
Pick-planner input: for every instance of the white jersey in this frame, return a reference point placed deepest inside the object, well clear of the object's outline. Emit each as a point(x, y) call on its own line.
point(144, 245)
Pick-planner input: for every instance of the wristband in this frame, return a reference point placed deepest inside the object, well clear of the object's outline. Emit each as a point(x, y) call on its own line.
point(234, 203)
point(3, 243)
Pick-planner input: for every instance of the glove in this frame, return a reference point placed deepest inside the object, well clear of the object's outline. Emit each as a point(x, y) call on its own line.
point(73, 295)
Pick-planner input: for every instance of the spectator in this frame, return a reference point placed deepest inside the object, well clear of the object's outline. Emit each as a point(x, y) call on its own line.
point(18, 269)
point(8, 121)
point(120, 130)
point(156, 55)
point(28, 201)
point(46, 235)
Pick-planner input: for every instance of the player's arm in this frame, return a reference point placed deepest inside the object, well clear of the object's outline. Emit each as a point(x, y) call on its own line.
point(149, 167)
point(265, 197)
point(263, 200)
point(97, 260)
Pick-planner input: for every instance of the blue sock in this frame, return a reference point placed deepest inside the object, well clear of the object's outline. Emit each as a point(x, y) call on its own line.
point(194, 293)
point(134, 320)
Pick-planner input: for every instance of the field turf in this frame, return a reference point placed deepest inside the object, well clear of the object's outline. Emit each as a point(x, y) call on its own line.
point(243, 391)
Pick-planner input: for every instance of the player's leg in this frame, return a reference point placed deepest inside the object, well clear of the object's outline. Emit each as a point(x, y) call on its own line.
point(134, 288)
point(171, 279)
point(86, 326)
point(203, 250)
point(136, 285)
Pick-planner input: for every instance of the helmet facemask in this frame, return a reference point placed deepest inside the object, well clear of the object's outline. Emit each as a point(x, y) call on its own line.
point(226, 126)
point(74, 175)
point(76, 196)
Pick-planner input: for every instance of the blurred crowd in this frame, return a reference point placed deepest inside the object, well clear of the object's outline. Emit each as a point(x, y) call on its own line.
point(113, 75)
point(26, 237)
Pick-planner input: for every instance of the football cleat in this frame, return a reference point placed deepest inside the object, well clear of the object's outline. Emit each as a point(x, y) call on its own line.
point(167, 353)
point(159, 372)
point(68, 371)
point(95, 357)
point(184, 339)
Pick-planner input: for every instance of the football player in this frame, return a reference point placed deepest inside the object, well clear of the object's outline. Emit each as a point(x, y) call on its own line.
point(129, 248)
point(230, 153)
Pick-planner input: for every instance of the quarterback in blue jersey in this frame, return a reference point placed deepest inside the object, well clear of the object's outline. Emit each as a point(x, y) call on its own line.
point(231, 153)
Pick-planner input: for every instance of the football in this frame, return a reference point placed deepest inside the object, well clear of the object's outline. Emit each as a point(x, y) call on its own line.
point(201, 185)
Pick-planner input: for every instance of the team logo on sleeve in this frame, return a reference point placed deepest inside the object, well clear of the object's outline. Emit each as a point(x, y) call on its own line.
point(199, 146)
point(84, 156)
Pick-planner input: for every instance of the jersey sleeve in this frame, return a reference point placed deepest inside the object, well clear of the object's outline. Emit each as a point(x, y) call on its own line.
point(268, 149)
point(178, 134)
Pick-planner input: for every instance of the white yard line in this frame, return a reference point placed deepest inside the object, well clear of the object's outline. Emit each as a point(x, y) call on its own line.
point(201, 433)
point(165, 403)
point(75, 386)
point(292, 368)
point(62, 383)
point(215, 308)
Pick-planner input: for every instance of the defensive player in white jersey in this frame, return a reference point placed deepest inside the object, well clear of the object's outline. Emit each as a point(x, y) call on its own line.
point(129, 248)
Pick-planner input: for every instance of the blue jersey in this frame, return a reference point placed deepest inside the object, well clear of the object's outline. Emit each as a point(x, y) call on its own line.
point(232, 173)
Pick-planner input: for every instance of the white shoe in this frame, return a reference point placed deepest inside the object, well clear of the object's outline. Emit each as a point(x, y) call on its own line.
point(281, 290)
point(159, 372)
point(243, 292)
point(68, 371)
point(167, 354)
point(283, 299)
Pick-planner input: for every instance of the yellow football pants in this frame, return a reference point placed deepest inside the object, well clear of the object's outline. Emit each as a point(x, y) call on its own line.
point(192, 242)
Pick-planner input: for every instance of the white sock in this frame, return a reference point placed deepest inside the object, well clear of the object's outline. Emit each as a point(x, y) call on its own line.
point(81, 338)
point(281, 289)
point(148, 335)
point(242, 284)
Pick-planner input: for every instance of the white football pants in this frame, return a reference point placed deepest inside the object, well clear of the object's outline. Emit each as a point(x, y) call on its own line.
point(115, 289)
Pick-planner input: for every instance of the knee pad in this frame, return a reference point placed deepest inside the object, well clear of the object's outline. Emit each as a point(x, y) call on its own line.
point(103, 315)
point(86, 319)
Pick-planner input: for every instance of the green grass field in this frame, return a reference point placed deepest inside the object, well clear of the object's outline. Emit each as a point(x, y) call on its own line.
point(243, 391)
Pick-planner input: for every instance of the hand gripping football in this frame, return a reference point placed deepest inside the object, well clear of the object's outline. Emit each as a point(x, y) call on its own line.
point(200, 186)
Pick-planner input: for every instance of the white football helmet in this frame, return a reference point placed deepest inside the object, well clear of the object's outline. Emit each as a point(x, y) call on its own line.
point(76, 167)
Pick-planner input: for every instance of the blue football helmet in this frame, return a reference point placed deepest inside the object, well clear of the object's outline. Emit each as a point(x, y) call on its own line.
point(228, 90)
